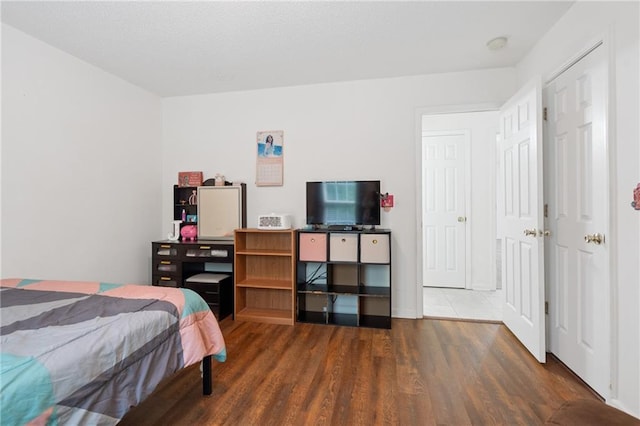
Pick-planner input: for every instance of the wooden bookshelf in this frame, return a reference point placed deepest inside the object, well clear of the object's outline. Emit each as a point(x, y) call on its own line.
point(264, 275)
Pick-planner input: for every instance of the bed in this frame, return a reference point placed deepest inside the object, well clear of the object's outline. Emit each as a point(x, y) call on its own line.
point(86, 352)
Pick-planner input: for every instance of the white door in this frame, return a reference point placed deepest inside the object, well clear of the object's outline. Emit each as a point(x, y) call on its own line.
point(520, 216)
point(444, 177)
point(577, 197)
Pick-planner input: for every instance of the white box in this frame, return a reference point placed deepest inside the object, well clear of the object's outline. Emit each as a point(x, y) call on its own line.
point(374, 248)
point(343, 247)
point(274, 221)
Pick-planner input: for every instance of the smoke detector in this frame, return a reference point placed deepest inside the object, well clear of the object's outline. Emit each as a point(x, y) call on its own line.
point(497, 43)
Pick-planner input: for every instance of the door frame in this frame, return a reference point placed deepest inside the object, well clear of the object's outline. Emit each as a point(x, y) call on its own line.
point(436, 110)
point(603, 41)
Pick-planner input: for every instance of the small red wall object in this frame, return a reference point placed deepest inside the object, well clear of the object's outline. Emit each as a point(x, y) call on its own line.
point(636, 198)
point(386, 201)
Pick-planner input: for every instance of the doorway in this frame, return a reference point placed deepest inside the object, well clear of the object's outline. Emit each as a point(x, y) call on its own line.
point(458, 166)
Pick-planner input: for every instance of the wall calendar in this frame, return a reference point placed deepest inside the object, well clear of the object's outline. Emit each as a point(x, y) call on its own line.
point(270, 159)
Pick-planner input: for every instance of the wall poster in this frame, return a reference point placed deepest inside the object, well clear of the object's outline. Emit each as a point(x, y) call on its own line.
point(270, 160)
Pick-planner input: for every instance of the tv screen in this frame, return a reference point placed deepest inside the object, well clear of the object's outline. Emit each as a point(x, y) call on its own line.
point(343, 203)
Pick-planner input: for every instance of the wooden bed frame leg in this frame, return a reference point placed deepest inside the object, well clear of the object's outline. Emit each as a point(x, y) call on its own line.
point(207, 380)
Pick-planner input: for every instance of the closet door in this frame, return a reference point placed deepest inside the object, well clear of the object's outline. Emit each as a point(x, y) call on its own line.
point(578, 200)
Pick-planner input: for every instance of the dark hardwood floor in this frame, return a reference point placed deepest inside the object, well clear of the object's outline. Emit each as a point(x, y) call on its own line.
point(422, 372)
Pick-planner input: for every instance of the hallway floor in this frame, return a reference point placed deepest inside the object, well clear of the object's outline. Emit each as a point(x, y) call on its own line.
point(462, 303)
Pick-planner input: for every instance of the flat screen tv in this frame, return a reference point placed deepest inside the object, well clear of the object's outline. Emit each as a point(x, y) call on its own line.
point(348, 203)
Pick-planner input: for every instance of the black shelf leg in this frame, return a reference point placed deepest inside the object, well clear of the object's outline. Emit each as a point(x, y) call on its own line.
point(206, 376)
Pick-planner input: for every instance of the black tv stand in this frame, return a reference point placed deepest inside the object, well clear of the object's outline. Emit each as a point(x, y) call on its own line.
point(344, 277)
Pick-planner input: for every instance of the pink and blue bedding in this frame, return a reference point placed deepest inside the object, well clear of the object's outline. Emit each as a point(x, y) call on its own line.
point(86, 352)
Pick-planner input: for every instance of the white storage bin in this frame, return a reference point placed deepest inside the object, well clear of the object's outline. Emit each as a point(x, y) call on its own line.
point(343, 247)
point(374, 248)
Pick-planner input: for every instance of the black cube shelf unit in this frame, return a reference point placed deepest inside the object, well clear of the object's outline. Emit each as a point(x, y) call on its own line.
point(344, 277)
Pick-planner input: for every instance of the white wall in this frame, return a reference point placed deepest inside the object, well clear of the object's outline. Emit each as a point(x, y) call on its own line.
point(351, 130)
point(481, 214)
point(619, 22)
point(81, 168)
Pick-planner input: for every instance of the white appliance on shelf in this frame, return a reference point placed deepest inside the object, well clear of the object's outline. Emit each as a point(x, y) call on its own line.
point(274, 221)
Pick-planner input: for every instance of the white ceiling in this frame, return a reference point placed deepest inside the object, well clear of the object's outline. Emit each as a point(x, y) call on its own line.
point(184, 48)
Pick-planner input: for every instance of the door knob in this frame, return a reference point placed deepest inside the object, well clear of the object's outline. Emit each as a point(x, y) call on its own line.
point(462, 219)
point(532, 232)
point(594, 238)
